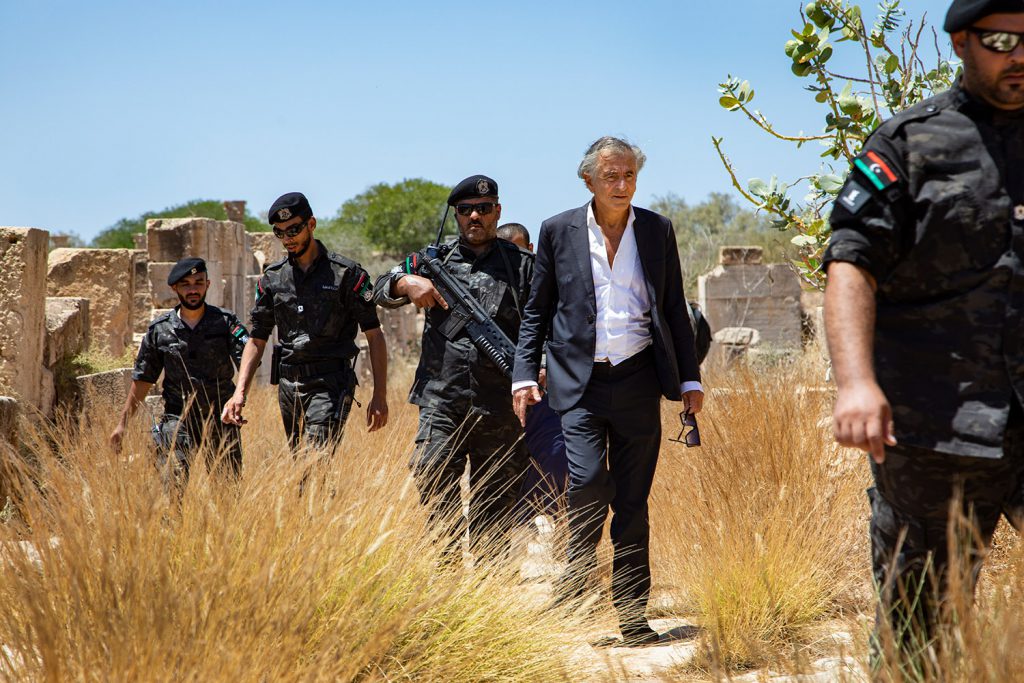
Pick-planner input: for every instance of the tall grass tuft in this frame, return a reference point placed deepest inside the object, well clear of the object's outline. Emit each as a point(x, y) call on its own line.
point(108, 576)
point(761, 532)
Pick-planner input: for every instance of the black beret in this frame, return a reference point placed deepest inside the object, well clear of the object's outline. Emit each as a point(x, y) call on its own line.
point(963, 13)
point(473, 187)
point(289, 205)
point(190, 265)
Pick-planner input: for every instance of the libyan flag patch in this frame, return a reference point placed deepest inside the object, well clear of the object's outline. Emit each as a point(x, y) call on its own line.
point(875, 169)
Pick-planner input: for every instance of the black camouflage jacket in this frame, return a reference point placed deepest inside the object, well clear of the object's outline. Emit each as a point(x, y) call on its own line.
point(934, 210)
point(316, 312)
point(195, 362)
point(453, 376)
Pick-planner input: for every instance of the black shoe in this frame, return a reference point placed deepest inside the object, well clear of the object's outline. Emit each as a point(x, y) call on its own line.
point(643, 636)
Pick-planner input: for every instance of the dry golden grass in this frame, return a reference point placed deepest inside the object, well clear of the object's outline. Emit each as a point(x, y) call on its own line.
point(760, 534)
point(113, 579)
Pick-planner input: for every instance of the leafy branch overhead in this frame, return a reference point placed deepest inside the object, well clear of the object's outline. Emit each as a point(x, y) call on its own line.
point(897, 66)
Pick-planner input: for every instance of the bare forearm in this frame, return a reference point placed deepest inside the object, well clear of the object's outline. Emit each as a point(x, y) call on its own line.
point(850, 322)
point(136, 395)
point(251, 356)
point(378, 360)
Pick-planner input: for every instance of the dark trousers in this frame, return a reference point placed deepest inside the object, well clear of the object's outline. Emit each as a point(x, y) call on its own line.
point(315, 409)
point(492, 446)
point(178, 439)
point(612, 438)
point(917, 492)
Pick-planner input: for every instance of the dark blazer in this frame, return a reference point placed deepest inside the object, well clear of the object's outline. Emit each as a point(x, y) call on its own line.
point(562, 308)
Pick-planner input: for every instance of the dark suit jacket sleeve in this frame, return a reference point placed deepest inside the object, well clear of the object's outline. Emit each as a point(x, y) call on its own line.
point(539, 307)
point(676, 315)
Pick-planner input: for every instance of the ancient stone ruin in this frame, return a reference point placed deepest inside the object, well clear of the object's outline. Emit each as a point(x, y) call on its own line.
point(752, 307)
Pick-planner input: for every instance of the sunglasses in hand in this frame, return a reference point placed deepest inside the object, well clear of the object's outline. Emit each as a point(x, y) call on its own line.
point(689, 435)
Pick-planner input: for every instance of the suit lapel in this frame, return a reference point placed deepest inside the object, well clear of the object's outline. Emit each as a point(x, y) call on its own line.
point(580, 242)
point(650, 254)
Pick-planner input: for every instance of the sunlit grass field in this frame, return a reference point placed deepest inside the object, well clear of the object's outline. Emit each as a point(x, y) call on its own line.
point(759, 539)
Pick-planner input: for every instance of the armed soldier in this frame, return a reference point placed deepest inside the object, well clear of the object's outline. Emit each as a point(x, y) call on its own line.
point(461, 386)
point(923, 314)
point(317, 299)
point(194, 346)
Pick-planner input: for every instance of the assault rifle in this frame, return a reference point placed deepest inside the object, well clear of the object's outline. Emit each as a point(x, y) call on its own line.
point(465, 312)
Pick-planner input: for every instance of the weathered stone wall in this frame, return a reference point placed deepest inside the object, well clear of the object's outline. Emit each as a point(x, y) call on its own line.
point(103, 394)
point(22, 312)
point(106, 277)
point(742, 292)
point(67, 328)
point(265, 249)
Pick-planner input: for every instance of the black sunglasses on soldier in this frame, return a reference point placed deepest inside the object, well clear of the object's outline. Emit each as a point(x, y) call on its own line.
point(483, 208)
point(1002, 42)
point(290, 232)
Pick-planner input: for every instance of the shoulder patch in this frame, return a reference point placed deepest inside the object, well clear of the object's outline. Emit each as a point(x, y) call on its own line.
point(875, 169)
point(853, 197)
point(239, 332)
point(411, 264)
point(364, 287)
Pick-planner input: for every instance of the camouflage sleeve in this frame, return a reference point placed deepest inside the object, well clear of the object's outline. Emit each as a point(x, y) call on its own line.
point(239, 336)
point(361, 297)
point(148, 363)
point(262, 316)
point(870, 217)
point(382, 289)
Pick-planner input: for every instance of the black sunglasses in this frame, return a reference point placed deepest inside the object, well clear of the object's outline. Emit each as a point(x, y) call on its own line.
point(1002, 42)
point(290, 232)
point(690, 438)
point(483, 208)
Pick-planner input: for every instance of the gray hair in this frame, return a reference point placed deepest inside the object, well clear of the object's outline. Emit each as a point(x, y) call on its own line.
point(609, 144)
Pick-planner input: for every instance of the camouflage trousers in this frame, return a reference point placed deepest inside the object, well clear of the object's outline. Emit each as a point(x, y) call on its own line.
point(314, 409)
point(177, 441)
point(492, 447)
point(929, 510)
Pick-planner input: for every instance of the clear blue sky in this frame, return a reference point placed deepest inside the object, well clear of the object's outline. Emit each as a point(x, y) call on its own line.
point(115, 108)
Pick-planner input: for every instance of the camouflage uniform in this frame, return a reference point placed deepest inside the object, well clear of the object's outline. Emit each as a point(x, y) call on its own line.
point(198, 372)
point(317, 313)
point(465, 400)
point(934, 211)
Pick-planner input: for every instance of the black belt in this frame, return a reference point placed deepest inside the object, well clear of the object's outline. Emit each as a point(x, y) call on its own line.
point(325, 367)
point(636, 361)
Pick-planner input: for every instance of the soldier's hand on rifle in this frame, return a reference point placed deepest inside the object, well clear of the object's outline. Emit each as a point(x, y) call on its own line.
point(421, 291)
point(232, 414)
point(523, 399)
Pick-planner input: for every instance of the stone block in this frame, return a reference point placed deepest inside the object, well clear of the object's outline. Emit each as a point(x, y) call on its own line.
point(235, 210)
point(738, 336)
point(735, 256)
point(142, 312)
point(265, 248)
point(140, 273)
point(48, 393)
point(762, 297)
point(22, 312)
point(403, 328)
point(172, 239)
point(67, 328)
point(106, 278)
point(9, 412)
point(104, 393)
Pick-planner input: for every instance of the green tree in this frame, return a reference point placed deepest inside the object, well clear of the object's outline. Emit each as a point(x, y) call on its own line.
point(718, 221)
point(894, 75)
point(119, 235)
point(393, 219)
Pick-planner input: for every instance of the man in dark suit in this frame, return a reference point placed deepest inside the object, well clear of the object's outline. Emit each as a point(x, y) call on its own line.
point(607, 305)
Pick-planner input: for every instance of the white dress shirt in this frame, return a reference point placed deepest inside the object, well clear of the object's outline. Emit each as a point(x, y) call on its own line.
point(623, 322)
